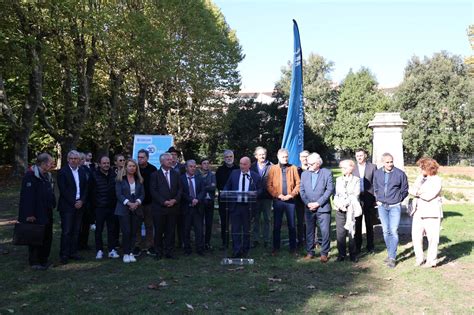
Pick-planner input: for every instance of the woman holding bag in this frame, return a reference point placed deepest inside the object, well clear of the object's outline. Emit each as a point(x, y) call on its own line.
point(428, 212)
point(130, 193)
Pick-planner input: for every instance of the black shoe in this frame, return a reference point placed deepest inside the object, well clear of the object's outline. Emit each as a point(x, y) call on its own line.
point(158, 257)
point(46, 265)
point(187, 252)
point(151, 252)
point(39, 267)
point(255, 244)
point(340, 258)
point(208, 247)
point(137, 252)
point(371, 252)
point(237, 255)
point(265, 244)
point(354, 259)
point(391, 263)
point(169, 256)
point(75, 257)
point(64, 260)
point(200, 253)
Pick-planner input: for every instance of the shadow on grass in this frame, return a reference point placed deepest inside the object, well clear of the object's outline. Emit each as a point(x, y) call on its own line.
point(455, 251)
point(409, 252)
point(447, 214)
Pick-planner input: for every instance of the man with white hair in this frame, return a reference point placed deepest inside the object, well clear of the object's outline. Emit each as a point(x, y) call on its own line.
point(72, 184)
point(316, 188)
point(284, 185)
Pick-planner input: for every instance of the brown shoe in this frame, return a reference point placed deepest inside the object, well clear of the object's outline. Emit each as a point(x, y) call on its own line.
point(274, 253)
point(324, 259)
point(308, 257)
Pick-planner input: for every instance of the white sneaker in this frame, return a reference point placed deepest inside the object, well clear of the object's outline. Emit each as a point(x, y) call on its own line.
point(126, 259)
point(92, 227)
point(132, 258)
point(100, 254)
point(113, 254)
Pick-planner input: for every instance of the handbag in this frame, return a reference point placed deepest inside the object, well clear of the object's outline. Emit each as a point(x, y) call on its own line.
point(28, 234)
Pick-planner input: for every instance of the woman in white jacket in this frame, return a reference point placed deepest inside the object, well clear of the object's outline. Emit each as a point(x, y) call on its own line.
point(428, 213)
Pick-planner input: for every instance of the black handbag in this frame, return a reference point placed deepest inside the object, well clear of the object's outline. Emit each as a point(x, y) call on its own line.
point(28, 234)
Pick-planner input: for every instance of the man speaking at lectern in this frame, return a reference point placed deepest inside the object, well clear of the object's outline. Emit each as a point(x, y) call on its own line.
point(242, 180)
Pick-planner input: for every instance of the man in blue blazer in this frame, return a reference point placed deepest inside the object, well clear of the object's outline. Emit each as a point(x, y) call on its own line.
point(316, 188)
point(73, 189)
point(192, 201)
point(243, 180)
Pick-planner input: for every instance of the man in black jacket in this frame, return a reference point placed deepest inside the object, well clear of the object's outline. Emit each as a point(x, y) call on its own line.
point(37, 201)
point(103, 202)
point(72, 185)
point(222, 175)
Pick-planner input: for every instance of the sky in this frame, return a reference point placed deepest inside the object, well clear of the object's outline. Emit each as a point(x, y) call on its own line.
point(379, 35)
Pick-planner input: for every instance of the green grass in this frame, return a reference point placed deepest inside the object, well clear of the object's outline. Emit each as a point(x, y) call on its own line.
point(282, 284)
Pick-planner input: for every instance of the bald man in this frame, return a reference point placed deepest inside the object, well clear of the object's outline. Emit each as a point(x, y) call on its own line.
point(244, 180)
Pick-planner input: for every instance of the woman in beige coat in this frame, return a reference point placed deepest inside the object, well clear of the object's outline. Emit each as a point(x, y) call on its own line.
point(428, 213)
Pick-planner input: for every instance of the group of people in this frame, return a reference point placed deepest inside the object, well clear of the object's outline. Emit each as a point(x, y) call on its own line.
point(175, 199)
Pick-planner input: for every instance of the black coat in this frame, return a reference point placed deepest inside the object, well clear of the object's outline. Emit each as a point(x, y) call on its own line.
point(102, 190)
point(161, 192)
point(67, 188)
point(36, 197)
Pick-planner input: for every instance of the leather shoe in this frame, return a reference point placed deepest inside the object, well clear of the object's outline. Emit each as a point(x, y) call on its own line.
point(340, 259)
point(274, 253)
point(324, 259)
point(308, 257)
point(75, 257)
point(64, 260)
point(354, 259)
point(169, 256)
point(255, 244)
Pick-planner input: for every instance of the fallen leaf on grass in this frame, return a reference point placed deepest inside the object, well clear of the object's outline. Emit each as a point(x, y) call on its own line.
point(153, 286)
point(171, 302)
point(274, 279)
point(388, 279)
point(189, 306)
point(163, 284)
point(312, 287)
point(9, 310)
point(175, 281)
point(205, 306)
point(272, 290)
point(236, 269)
point(243, 308)
point(278, 311)
point(342, 296)
point(86, 290)
point(24, 305)
point(353, 293)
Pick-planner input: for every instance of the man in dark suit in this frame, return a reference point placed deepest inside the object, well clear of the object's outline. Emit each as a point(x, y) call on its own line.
point(316, 188)
point(72, 198)
point(365, 171)
point(242, 180)
point(192, 201)
point(264, 202)
point(165, 189)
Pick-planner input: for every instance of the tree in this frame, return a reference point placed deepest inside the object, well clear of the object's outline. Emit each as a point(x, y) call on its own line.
point(359, 99)
point(320, 99)
point(436, 97)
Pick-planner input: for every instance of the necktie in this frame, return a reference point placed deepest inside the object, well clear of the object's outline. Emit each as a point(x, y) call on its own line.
point(192, 193)
point(314, 179)
point(243, 181)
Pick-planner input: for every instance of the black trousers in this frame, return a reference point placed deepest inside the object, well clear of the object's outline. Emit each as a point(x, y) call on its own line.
point(129, 224)
point(193, 219)
point(208, 220)
point(105, 216)
point(180, 226)
point(224, 223)
point(165, 226)
point(70, 227)
point(367, 213)
point(300, 222)
point(38, 255)
point(88, 218)
point(341, 234)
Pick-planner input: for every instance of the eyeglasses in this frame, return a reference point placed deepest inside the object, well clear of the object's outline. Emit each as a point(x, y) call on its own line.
point(122, 160)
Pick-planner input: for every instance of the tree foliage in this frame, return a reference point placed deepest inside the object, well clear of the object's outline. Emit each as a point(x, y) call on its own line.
point(436, 97)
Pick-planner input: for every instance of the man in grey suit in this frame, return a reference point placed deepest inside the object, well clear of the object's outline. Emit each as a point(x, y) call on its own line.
point(365, 171)
point(316, 188)
point(165, 189)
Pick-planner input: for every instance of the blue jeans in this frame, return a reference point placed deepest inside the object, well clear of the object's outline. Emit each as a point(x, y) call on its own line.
point(323, 219)
point(289, 208)
point(390, 218)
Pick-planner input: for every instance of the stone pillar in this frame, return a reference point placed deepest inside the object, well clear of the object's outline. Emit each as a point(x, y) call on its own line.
point(387, 137)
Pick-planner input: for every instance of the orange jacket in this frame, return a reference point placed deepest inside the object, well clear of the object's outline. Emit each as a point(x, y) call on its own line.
point(274, 181)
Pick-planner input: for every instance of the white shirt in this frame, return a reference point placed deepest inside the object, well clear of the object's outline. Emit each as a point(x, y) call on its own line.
point(75, 174)
point(194, 184)
point(247, 181)
point(167, 176)
point(361, 168)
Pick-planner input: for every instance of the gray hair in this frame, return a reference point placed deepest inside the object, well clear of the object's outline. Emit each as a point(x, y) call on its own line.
point(282, 150)
point(228, 152)
point(316, 157)
point(188, 162)
point(258, 149)
point(43, 158)
point(162, 156)
point(347, 162)
point(73, 153)
point(386, 154)
point(304, 152)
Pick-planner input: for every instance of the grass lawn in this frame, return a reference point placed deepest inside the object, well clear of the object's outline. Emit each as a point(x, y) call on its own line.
point(282, 284)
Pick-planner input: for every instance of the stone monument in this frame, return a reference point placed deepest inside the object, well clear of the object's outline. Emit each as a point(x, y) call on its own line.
point(387, 137)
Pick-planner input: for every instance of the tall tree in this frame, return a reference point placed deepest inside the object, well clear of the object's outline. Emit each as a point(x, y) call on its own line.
point(359, 99)
point(436, 97)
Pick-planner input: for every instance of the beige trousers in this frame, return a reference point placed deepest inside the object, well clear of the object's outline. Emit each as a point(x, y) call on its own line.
point(431, 228)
